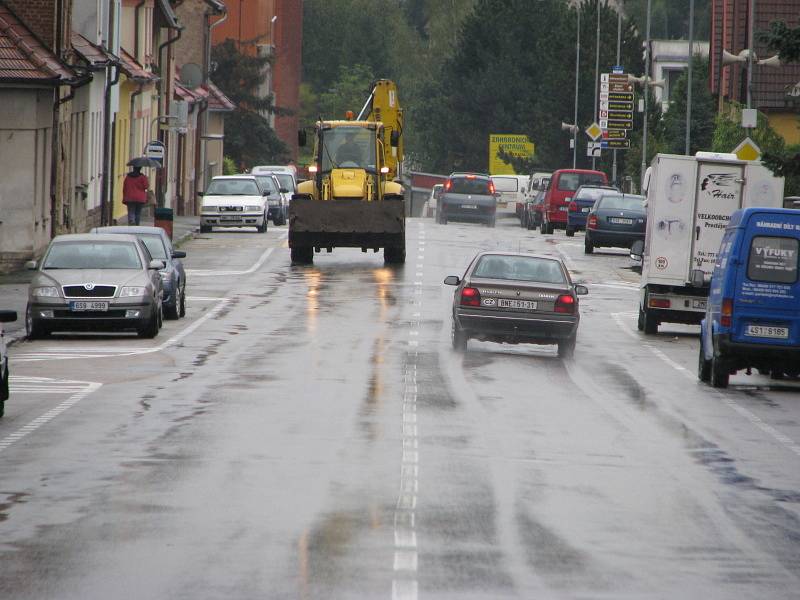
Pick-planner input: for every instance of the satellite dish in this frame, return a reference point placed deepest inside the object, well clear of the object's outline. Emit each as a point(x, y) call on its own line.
point(191, 75)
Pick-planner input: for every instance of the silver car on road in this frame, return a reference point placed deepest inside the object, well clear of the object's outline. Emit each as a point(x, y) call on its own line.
point(95, 282)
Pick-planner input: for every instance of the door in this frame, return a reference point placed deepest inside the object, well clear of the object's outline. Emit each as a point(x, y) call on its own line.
point(719, 194)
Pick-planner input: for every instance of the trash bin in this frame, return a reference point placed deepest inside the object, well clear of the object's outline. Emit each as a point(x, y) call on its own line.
point(163, 218)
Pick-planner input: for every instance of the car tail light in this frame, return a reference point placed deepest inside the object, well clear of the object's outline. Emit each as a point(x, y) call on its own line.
point(470, 176)
point(448, 184)
point(659, 303)
point(565, 304)
point(470, 296)
point(726, 316)
point(491, 187)
point(592, 222)
point(573, 207)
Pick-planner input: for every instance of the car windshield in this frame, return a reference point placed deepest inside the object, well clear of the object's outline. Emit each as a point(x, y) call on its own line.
point(469, 185)
point(570, 182)
point(233, 187)
point(267, 184)
point(348, 147)
point(592, 193)
point(506, 184)
point(621, 203)
point(92, 255)
point(519, 268)
point(286, 181)
point(155, 245)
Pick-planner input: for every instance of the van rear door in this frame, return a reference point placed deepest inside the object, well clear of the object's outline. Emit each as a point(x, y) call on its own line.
point(767, 291)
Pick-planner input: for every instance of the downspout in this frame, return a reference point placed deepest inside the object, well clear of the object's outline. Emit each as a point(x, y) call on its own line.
point(109, 138)
point(163, 82)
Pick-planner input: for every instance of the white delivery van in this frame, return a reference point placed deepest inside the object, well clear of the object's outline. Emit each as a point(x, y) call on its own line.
point(690, 200)
point(512, 192)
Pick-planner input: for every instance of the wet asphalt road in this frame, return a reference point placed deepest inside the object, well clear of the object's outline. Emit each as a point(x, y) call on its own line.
point(307, 432)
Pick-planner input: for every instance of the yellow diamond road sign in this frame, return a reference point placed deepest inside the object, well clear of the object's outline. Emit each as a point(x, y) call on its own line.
point(594, 131)
point(747, 150)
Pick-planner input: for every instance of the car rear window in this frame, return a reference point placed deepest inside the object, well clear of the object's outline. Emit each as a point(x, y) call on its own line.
point(267, 184)
point(773, 259)
point(154, 245)
point(592, 193)
point(233, 187)
point(466, 185)
point(621, 202)
point(569, 182)
point(506, 184)
point(519, 268)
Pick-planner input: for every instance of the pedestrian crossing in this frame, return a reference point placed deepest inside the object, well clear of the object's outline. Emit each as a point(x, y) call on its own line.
point(45, 385)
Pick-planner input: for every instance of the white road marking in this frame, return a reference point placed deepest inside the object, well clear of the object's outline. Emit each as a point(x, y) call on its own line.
point(79, 390)
point(255, 267)
point(54, 353)
point(754, 419)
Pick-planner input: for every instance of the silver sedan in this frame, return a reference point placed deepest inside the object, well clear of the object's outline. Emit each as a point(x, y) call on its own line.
point(95, 282)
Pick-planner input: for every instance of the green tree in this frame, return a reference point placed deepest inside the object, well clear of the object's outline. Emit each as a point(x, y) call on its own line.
point(669, 19)
point(249, 139)
point(784, 40)
point(673, 124)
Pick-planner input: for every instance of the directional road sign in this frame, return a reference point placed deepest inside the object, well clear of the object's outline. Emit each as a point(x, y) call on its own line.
point(616, 105)
point(614, 134)
point(616, 124)
point(620, 96)
point(616, 144)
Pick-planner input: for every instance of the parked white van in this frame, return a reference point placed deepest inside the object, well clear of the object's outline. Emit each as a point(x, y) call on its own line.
point(511, 189)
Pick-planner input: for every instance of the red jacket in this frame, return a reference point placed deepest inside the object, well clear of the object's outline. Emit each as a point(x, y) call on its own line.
point(134, 189)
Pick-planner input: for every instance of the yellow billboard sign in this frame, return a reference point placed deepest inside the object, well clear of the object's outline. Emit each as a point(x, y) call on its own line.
point(513, 144)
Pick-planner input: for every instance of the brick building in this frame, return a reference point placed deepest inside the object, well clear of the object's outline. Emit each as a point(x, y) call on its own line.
point(729, 31)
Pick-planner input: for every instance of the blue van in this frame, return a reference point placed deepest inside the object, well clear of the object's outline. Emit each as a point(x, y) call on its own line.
point(753, 313)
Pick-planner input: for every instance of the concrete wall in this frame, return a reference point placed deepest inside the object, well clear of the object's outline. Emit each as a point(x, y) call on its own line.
point(25, 143)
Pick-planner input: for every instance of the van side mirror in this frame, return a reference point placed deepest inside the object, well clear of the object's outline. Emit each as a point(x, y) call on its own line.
point(697, 278)
point(452, 280)
point(302, 138)
point(581, 290)
point(637, 250)
point(178, 254)
point(394, 139)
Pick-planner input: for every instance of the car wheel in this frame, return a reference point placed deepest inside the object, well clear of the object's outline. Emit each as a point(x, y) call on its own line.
point(263, 227)
point(34, 327)
point(4, 389)
point(205, 228)
point(542, 227)
point(530, 223)
point(588, 247)
point(173, 312)
point(566, 348)
point(182, 310)
point(650, 322)
point(491, 222)
point(523, 220)
point(302, 255)
point(570, 232)
point(703, 365)
point(720, 375)
point(459, 338)
point(149, 329)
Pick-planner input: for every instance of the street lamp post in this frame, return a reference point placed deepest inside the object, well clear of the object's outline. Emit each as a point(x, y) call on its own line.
point(689, 79)
point(619, 58)
point(596, 74)
point(577, 78)
point(646, 93)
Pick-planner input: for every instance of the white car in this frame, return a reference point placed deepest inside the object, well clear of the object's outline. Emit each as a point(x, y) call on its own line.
point(234, 201)
point(6, 316)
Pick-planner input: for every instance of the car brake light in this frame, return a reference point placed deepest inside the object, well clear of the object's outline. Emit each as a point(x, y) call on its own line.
point(592, 222)
point(659, 303)
point(565, 304)
point(491, 187)
point(447, 184)
point(726, 316)
point(470, 296)
point(470, 176)
point(573, 207)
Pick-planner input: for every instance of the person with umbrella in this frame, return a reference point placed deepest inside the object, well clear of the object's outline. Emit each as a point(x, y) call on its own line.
point(134, 190)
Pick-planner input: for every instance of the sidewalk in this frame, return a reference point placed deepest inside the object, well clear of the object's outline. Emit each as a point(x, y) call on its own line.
point(14, 286)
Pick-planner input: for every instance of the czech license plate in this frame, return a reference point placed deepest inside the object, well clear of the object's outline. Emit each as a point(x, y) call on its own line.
point(522, 304)
point(586, 209)
point(699, 304)
point(564, 208)
point(620, 221)
point(229, 218)
point(767, 331)
point(469, 206)
point(84, 306)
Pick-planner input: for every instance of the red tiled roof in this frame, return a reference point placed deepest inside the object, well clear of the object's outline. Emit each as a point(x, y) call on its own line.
point(191, 96)
point(91, 53)
point(218, 101)
point(23, 58)
point(133, 69)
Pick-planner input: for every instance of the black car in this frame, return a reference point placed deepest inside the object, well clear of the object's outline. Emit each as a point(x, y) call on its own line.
point(6, 316)
point(532, 217)
point(276, 198)
point(616, 220)
point(581, 203)
point(516, 298)
point(468, 197)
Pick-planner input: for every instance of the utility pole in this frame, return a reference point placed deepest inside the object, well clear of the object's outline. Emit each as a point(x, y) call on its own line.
point(577, 78)
point(750, 20)
point(596, 72)
point(619, 58)
point(689, 78)
point(646, 93)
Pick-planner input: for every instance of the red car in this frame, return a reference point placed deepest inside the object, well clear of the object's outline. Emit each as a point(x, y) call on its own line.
point(563, 185)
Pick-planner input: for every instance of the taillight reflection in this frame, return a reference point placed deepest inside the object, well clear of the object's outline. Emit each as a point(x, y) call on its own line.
point(726, 315)
point(573, 207)
point(592, 222)
point(470, 296)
